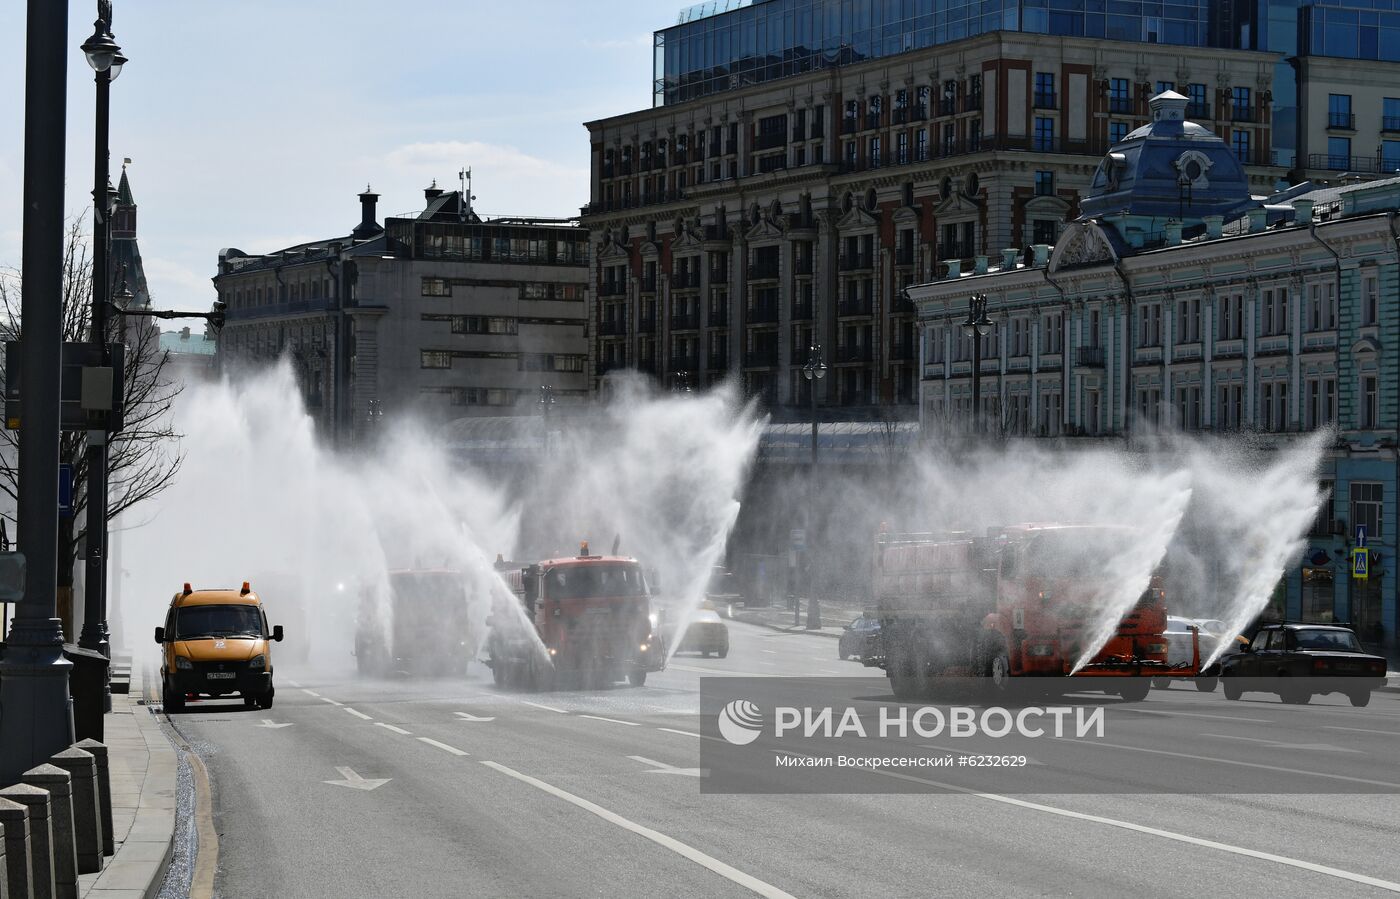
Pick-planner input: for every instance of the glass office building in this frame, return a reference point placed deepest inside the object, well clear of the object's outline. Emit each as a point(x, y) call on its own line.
point(1351, 29)
point(719, 46)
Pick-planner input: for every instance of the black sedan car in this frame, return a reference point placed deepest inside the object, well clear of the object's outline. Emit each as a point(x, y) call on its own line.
point(1299, 661)
point(856, 638)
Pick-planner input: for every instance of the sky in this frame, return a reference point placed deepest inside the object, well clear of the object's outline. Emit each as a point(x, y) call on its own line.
point(255, 123)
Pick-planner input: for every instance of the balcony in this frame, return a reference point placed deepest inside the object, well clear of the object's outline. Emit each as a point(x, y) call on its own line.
point(848, 308)
point(802, 311)
point(686, 279)
point(872, 121)
point(719, 277)
point(802, 265)
point(613, 289)
point(686, 322)
point(647, 365)
point(972, 103)
point(853, 354)
point(904, 256)
point(918, 113)
point(771, 140)
point(1089, 357)
point(1121, 105)
point(614, 327)
point(850, 125)
point(719, 317)
point(1243, 113)
point(679, 158)
point(762, 314)
point(763, 357)
point(1368, 165)
point(1390, 123)
point(731, 147)
point(855, 262)
point(649, 284)
point(1198, 110)
point(1341, 121)
point(1046, 100)
point(899, 115)
point(956, 250)
point(763, 271)
point(647, 324)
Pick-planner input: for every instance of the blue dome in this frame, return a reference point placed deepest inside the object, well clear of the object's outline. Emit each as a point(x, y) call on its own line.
point(1169, 169)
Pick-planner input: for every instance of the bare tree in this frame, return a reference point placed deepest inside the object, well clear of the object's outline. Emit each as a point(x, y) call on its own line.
point(144, 457)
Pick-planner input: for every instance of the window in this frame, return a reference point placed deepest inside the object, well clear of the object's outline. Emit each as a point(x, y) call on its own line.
point(1020, 336)
point(1390, 155)
point(1322, 524)
point(1322, 306)
point(974, 135)
point(1370, 300)
point(1120, 98)
point(921, 145)
point(875, 152)
point(1273, 317)
point(1051, 404)
point(1370, 401)
point(851, 155)
point(1188, 321)
point(1163, 86)
point(1390, 114)
point(1052, 332)
point(1240, 110)
point(1150, 325)
point(902, 148)
point(1044, 134)
point(1188, 407)
point(1272, 413)
point(436, 287)
point(1320, 407)
point(1117, 131)
point(1338, 153)
point(1339, 111)
point(1239, 142)
point(1367, 505)
point(1045, 90)
point(1149, 404)
point(1199, 106)
point(1044, 231)
point(1229, 412)
point(1044, 184)
point(435, 359)
point(1231, 317)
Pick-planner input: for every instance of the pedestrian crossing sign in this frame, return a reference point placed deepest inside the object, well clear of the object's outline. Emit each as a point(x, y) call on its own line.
point(1360, 563)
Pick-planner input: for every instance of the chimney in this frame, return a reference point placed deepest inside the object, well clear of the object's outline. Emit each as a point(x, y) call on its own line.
point(954, 268)
point(1215, 226)
point(1042, 254)
point(185, 333)
point(1302, 212)
point(1173, 229)
point(979, 265)
point(1258, 220)
point(1008, 257)
point(367, 227)
point(432, 192)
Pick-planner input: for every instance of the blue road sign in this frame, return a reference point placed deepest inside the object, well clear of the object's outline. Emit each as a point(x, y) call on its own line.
point(1361, 535)
point(65, 490)
point(1360, 564)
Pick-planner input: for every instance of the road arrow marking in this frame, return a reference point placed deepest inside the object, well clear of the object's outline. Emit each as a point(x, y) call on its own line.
point(267, 722)
point(466, 717)
point(1316, 747)
point(355, 781)
point(663, 768)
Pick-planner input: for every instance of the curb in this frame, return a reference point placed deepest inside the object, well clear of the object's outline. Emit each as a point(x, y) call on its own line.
point(143, 765)
point(786, 629)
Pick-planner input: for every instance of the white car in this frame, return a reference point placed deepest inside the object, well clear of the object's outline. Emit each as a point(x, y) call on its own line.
point(1180, 653)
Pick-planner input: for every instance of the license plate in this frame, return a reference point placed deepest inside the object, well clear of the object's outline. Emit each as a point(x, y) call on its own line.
point(221, 675)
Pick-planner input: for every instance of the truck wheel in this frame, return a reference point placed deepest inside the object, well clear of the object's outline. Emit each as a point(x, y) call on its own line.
point(1360, 698)
point(172, 700)
point(1135, 689)
point(1207, 684)
point(723, 652)
point(704, 653)
point(1232, 689)
point(1161, 683)
point(636, 678)
point(250, 702)
point(999, 672)
point(906, 686)
point(265, 701)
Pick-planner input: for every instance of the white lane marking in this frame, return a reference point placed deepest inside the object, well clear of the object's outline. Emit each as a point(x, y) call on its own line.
point(355, 781)
point(331, 701)
point(1158, 832)
point(1362, 730)
point(292, 683)
point(1318, 747)
point(732, 874)
point(311, 692)
point(716, 672)
point(771, 652)
point(358, 714)
point(547, 708)
point(397, 730)
point(267, 722)
point(1195, 715)
point(663, 768)
point(467, 717)
point(1220, 761)
point(686, 733)
point(443, 746)
point(612, 720)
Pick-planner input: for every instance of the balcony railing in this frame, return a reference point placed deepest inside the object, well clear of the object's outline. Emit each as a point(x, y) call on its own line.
point(762, 314)
point(762, 357)
point(956, 250)
point(802, 311)
point(1120, 104)
point(972, 103)
point(1342, 120)
point(901, 351)
point(685, 363)
point(853, 354)
point(687, 322)
point(855, 262)
point(1045, 100)
point(649, 284)
point(1198, 110)
point(771, 140)
point(686, 279)
point(1390, 123)
point(802, 265)
point(1242, 113)
point(899, 115)
point(1090, 357)
point(614, 327)
point(904, 256)
point(854, 307)
point(608, 365)
point(1369, 165)
point(646, 324)
point(718, 317)
point(947, 106)
point(872, 120)
point(850, 124)
point(717, 361)
point(613, 289)
point(763, 271)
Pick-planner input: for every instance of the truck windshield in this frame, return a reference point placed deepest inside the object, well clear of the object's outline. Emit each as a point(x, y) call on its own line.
point(193, 622)
point(1069, 552)
point(584, 581)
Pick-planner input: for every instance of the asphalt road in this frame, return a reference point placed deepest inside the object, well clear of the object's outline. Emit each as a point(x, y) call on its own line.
point(488, 793)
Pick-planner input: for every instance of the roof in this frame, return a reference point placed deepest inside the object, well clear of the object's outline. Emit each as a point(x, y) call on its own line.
point(564, 561)
point(218, 596)
point(124, 197)
point(183, 343)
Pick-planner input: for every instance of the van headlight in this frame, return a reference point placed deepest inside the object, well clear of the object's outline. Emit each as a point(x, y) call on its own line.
point(183, 664)
point(258, 661)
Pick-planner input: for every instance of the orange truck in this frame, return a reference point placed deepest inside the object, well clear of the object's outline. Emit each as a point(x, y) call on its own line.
point(1020, 602)
point(216, 643)
point(591, 614)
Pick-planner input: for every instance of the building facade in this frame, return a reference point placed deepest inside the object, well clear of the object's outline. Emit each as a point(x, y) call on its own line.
point(1232, 315)
point(441, 315)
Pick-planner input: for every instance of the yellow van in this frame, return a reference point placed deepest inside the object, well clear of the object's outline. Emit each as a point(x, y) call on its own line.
point(216, 643)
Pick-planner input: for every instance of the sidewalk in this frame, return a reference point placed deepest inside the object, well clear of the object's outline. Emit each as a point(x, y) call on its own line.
point(143, 768)
point(836, 614)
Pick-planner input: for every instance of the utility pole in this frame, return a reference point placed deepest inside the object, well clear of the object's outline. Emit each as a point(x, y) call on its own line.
point(36, 712)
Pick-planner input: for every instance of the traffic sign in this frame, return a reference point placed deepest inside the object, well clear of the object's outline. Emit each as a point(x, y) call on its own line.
point(1361, 535)
point(1360, 563)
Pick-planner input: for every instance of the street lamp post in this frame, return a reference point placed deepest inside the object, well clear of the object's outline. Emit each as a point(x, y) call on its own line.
point(813, 371)
point(36, 713)
point(106, 60)
point(977, 326)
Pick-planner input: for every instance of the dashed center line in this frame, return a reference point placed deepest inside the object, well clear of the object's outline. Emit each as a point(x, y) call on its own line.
point(547, 708)
point(358, 714)
point(397, 730)
point(443, 746)
point(331, 701)
point(310, 692)
point(686, 733)
point(612, 720)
